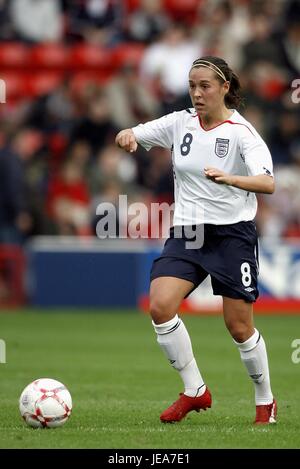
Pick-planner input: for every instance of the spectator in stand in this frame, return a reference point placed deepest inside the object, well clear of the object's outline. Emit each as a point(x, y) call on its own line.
point(146, 23)
point(159, 67)
point(6, 28)
point(222, 29)
point(112, 175)
point(292, 230)
point(80, 153)
point(94, 21)
point(112, 164)
point(290, 39)
point(264, 85)
point(95, 126)
point(281, 219)
point(15, 216)
point(68, 201)
point(284, 136)
point(54, 111)
point(262, 46)
point(128, 100)
point(37, 21)
point(254, 115)
point(29, 145)
point(155, 173)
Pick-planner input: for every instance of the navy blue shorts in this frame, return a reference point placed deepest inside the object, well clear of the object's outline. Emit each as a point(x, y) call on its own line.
point(229, 254)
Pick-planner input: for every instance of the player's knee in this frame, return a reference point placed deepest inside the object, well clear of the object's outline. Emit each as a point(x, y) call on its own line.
point(239, 331)
point(161, 310)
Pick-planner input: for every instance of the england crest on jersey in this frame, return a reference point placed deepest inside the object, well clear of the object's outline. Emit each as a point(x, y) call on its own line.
point(221, 147)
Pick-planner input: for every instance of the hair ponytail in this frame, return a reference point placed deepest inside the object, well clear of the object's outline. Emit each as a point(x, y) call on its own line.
point(233, 98)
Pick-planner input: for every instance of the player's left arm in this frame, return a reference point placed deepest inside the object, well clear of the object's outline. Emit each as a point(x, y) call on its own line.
point(261, 183)
point(258, 161)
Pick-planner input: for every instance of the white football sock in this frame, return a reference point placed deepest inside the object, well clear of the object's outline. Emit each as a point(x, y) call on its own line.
point(175, 341)
point(254, 355)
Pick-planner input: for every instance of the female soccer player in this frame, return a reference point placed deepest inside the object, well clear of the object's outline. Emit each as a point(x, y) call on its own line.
point(219, 162)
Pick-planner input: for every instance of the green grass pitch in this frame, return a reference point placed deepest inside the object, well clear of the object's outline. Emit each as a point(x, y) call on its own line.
point(120, 382)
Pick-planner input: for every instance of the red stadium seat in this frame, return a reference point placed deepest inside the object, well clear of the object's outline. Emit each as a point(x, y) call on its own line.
point(80, 81)
point(182, 9)
point(15, 85)
point(13, 55)
point(49, 55)
point(89, 56)
point(42, 83)
point(130, 53)
point(131, 5)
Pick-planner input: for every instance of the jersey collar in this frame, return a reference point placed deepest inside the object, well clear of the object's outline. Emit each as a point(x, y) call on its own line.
point(229, 121)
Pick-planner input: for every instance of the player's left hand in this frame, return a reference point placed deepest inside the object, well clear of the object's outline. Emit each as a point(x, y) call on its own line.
point(218, 176)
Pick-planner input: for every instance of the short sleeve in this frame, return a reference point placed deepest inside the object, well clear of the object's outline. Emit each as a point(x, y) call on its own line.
point(156, 133)
point(255, 153)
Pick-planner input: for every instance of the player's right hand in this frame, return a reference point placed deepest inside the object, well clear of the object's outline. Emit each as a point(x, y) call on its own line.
point(126, 140)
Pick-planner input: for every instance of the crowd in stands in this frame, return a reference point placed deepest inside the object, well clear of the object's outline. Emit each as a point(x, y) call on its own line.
point(78, 71)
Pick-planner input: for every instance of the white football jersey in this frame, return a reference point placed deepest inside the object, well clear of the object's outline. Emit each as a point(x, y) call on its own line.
point(233, 146)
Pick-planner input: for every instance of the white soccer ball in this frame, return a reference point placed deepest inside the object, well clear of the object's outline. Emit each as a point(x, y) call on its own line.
point(45, 403)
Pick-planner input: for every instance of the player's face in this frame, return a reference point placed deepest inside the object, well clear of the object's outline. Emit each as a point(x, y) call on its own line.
point(206, 91)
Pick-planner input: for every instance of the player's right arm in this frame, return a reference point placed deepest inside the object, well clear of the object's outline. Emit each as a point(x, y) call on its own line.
point(156, 133)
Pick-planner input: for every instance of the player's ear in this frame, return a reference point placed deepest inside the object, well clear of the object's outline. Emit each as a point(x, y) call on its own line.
point(226, 86)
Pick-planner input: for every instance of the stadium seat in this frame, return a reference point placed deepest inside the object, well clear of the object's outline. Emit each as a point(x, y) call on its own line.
point(38, 84)
point(15, 85)
point(49, 55)
point(128, 53)
point(81, 80)
point(13, 55)
point(89, 56)
point(182, 9)
point(131, 5)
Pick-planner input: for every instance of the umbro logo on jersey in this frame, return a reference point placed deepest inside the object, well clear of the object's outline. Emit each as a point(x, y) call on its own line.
point(191, 128)
point(249, 289)
point(221, 147)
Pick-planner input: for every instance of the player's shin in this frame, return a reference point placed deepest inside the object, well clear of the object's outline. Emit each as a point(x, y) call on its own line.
point(254, 356)
point(175, 341)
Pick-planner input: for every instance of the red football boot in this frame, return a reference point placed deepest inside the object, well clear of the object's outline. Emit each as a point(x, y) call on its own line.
point(266, 413)
point(178, 410)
